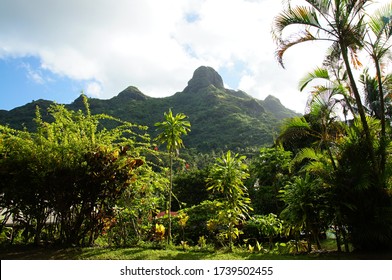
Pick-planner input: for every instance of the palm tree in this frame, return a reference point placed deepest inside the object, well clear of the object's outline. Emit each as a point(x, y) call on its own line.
point(340, 22)
point(332, 82)
point(371, 96)
point(227, 177)
point(378, 47)
point(319, 126)
point(319, 164)
point(364, 206)
point(305, 202)
point(172, 128)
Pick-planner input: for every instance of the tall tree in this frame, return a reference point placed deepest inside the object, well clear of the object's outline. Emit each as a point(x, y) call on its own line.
point(172, 129)
point(378, 46)
point(363, 206)
point(340, 22)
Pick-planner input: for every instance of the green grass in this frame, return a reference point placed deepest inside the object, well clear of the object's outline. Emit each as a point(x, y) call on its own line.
point(175, 253)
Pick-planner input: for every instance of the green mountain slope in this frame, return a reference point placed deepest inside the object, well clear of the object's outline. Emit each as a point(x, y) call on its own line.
point(220, 118)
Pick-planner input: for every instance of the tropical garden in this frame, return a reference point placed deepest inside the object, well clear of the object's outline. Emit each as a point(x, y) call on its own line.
point(327, 176)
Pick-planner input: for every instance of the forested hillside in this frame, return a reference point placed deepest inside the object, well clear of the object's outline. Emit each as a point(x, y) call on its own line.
point(221, 118)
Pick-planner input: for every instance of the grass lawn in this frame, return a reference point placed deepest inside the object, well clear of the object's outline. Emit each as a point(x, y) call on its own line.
point(139, 253)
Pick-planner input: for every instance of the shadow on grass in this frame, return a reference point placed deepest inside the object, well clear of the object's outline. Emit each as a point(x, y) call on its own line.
point(30, 252)
point(33, 252)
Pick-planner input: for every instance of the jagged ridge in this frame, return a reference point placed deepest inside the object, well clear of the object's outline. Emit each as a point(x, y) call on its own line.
point(220, 118)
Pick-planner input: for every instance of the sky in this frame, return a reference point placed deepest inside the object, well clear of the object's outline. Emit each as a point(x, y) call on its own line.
point(54, 49)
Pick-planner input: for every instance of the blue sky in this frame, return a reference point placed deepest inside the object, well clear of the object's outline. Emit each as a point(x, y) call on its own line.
point(22, 81)
point(55, 49)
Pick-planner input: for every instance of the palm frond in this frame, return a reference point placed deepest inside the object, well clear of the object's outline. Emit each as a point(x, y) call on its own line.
point(299, 15)
point(322, 6)
point(318, 73)
point(295, 128)
point(286, 44)
point(297, 123)
point(315, 167)
point(354, 35)
point(354, 7)
point(332, 57)
point(317, 162)
point(341, 89)
point(381, 26)
point(306, 153)
point(381, 21)
point(354, 58)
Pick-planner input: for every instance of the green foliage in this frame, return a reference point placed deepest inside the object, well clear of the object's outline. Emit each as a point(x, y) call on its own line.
point(270, 171)
point(199, 215)
point(190, 187)
point(202, 242)
point(306, 199)
point(260, 227)
point(363, 205)
point(227, 177)
point(222, 119)
point(172, 129)
point(69, 172)
point(295, 134)
point(182, 219)
point(358, 155)
point(269, 225)
point(72, 176)
point(137, 206)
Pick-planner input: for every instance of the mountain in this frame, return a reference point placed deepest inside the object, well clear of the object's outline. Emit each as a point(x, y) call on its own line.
point(221, 118)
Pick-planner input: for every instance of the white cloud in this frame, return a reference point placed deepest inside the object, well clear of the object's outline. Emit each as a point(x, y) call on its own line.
point(155, 45)
point(33, 74)
point(93, 89)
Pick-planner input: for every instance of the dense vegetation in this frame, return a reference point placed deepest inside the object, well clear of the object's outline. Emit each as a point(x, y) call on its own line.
point(222, 119)
point(84, 178)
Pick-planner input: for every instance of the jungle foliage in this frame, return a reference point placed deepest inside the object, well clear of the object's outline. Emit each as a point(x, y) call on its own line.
point(83, 178)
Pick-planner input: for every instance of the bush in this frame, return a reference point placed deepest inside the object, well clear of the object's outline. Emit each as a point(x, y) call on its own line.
point(197, 223)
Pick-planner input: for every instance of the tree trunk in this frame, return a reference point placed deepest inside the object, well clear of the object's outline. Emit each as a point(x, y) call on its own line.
point(231, 236)
point(361, 110)
point(345, 241)
point(296, 241)
point(383, 129)
point(337, 235)
point(38, 230)
point(315, 233)
point(136, 229)
point(169, 229)
point(309, 238)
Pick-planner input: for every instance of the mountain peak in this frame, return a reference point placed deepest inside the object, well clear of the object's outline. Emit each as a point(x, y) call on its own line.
point(130, 93)
point(202, 78)
point(274, 106)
